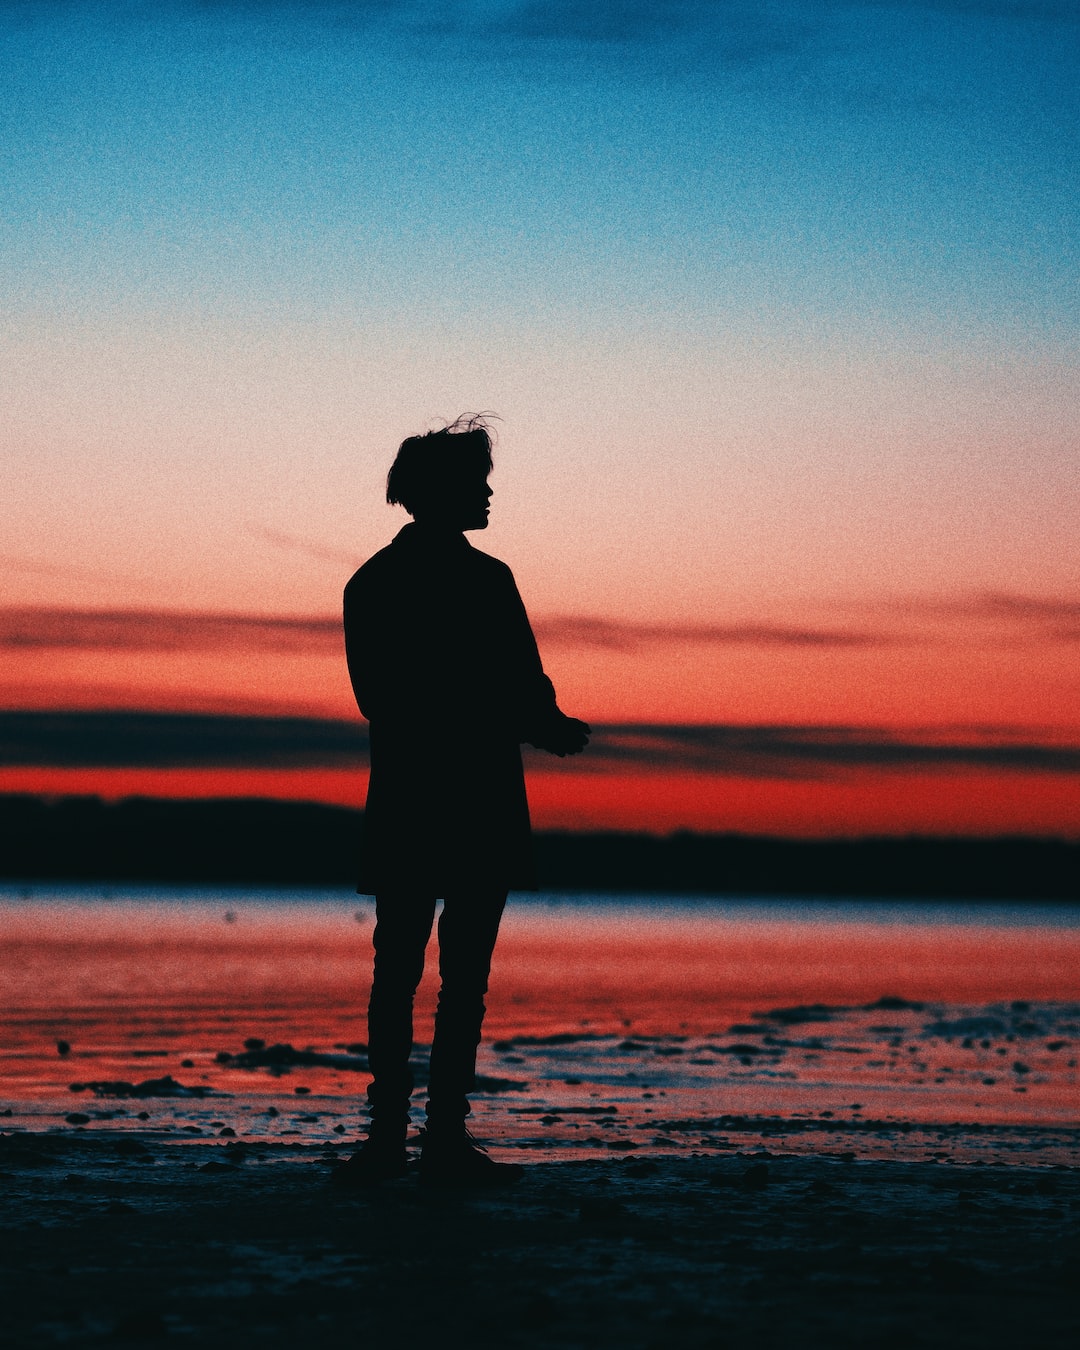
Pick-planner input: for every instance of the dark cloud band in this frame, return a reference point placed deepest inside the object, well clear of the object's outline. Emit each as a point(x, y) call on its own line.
point(616, 635)
point(164, 631)
point(1027, 617)
point(103, 739)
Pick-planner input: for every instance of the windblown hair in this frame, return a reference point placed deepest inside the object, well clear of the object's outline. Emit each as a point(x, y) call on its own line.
point(427, 465)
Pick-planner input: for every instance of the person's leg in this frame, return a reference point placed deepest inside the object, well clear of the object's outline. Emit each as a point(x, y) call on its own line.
point(468, 927)
point(402, 928)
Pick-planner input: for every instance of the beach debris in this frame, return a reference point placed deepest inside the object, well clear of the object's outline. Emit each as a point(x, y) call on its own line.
point(556, 1038)
point(283, 1058)
point(130, 1148)
point(645, 1168)
point(63, 1048)
point(487, 1083)
point(755, 1178)
point(77, 1118)
point(803, 1012)
point(825, 1012)
point(978, 1026)
point(152, 1087)
point(609, 1110)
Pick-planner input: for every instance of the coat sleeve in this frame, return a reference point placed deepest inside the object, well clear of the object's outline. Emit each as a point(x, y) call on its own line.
point(535, 706)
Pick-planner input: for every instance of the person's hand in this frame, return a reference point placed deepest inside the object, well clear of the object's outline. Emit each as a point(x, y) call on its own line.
point(565, 736)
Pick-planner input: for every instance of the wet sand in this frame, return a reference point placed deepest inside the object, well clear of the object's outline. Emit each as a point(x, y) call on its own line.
point(742, 1126)
point(120, 1238)
point(629, 1025)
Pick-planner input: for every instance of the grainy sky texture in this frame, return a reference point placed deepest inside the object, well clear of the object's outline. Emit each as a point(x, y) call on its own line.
point(778, 303)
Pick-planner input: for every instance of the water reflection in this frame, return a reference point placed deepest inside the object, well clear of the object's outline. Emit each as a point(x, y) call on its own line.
point(615, 1024)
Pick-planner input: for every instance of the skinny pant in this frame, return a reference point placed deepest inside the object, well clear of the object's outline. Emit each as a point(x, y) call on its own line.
point(468, 927)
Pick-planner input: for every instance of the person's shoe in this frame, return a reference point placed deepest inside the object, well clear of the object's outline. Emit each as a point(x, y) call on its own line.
point(453, 1159)
point(377, 1160)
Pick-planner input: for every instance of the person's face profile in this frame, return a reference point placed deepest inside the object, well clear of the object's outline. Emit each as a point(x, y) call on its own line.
point(473, 505)
point(460, 505)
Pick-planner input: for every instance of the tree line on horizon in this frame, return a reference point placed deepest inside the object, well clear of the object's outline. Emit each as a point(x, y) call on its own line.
point(270, 842)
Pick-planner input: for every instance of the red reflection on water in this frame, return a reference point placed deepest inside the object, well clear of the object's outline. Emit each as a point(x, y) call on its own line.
point(695, 974)
point(138, 989)
point(668, 966)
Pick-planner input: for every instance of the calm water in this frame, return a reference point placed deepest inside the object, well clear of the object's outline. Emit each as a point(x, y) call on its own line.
point(632, 1024)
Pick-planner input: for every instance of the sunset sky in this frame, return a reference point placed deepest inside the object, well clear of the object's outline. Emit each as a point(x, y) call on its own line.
point(779, 306)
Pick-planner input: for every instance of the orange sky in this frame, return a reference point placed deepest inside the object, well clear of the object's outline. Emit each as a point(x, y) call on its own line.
point(784, 352)
point(863, 803)
point(980, 659)
point(930, 718)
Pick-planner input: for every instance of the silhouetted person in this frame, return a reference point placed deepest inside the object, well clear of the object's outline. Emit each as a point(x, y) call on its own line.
point(445, 668)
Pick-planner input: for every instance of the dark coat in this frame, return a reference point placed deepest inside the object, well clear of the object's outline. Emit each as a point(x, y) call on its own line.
point(445, 668)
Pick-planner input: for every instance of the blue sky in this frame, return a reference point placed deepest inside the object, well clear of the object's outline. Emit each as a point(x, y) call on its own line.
point(853, 161)
point(714, 263)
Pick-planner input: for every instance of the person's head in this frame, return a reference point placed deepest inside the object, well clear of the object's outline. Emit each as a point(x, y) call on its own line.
point(441, 477)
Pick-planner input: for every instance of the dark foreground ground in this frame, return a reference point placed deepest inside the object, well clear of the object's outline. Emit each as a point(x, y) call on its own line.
point(112, 1240)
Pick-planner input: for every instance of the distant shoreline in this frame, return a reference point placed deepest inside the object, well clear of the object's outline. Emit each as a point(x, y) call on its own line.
point(304, 843)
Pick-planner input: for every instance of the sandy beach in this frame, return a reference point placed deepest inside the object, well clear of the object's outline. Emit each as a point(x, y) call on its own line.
point(122, 1238)
point(741, 1126)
